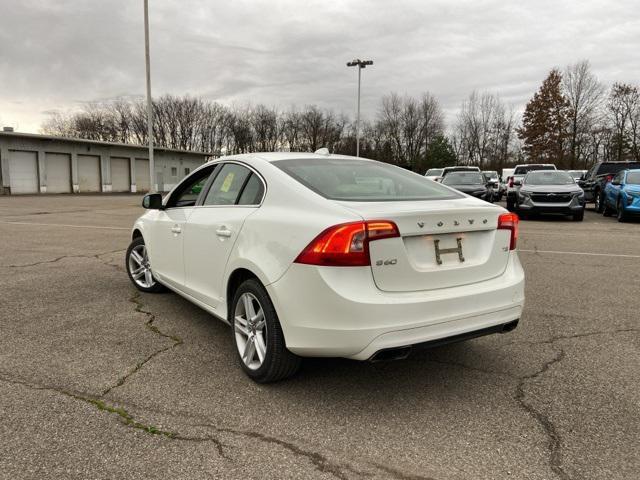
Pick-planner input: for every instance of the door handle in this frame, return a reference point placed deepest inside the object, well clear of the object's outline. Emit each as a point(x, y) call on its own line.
point(223, 232)
point(176, 229)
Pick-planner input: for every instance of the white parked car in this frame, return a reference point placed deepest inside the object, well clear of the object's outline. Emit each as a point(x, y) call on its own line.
point(329, 255)
point(434, 174)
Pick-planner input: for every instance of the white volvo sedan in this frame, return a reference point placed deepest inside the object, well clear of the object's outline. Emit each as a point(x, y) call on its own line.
point(329, 255)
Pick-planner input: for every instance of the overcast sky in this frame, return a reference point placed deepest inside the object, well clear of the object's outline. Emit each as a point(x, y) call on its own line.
point(55, 55)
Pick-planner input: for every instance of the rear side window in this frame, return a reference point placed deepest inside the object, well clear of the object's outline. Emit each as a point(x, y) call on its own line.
point(252, 192)
point(227, 185)
point(362, 180)
point(633, 178)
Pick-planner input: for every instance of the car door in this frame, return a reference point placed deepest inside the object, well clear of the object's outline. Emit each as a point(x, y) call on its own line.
point(612, 190)
point(213, 228)
point(166, 242)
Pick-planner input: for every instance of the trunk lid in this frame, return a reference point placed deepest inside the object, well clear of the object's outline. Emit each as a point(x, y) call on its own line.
point(442, 243)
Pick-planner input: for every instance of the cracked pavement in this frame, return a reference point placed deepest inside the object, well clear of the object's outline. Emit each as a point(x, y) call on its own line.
point(101, 381)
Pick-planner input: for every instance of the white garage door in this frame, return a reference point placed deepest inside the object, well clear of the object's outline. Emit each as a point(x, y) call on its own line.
point(57, 167)
point(142, 175)
point(120, 175)
point(23, 172)
point(89, 173)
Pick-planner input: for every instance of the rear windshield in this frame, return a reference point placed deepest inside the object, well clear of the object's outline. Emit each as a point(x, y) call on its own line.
point(615, 167)
point(362, 180)
point(491, 174)
point(433, 172)
point(530, 168)
point(463, 178)
point(633, 178)
point(549, 178)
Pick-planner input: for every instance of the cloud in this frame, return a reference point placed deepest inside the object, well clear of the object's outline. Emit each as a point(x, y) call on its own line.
point(56, 55)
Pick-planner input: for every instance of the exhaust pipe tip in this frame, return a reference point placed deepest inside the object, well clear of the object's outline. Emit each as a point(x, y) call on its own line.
point(390, 354)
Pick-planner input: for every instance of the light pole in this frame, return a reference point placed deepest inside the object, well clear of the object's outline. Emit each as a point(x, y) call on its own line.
point(152, 183)
point(360, 64)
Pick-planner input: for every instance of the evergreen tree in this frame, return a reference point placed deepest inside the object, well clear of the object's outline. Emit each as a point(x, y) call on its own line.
point(439, 153)
point(545, 123)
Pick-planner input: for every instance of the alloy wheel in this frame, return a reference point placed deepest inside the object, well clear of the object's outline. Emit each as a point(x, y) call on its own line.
point(140, 267)
point(250, 331)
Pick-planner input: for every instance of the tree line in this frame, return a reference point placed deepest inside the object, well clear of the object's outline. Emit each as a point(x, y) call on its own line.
point(572, 121)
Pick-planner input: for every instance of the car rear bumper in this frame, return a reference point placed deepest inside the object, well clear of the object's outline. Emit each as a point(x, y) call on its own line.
point(339, 312)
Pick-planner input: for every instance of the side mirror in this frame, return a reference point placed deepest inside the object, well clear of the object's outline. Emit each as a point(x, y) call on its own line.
point(615, 182)
point(152, 201)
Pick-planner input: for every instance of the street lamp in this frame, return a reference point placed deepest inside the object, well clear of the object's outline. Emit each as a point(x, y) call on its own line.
point(360, 64)
point(152, 184)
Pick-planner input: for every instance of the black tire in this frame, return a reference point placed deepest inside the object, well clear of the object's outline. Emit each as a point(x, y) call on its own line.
point(279, 363)
point(620, 213)
point(578, 217)
point(607, 211)
point(155, 286)
point(511, 205)
point(598, 201)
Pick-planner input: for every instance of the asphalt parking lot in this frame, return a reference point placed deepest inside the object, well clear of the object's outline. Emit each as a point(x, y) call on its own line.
point(99, 381)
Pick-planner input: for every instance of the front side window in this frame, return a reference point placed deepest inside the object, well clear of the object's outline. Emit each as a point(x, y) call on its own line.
point(362, 180)
point(227, 185)
point(186, 194)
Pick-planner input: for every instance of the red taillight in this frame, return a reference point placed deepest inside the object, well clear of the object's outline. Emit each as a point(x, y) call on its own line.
point(509, 221)
point(609, 178)
point(347, 244)
point(510, 180)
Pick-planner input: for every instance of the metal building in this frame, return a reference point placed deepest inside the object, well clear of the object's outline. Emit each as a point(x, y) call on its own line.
point(31, 163)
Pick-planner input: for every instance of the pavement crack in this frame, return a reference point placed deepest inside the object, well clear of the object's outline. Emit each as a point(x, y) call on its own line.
point(554, 439)
point(220, 446)
point(322, 463)
point(149, 325)
point(125, 417)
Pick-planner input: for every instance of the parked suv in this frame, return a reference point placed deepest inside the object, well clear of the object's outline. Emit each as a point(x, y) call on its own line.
point(498, 187)
point(598, 176)
point(622, 195)
point(515, 180)
point(459, 168)
point(550, 192)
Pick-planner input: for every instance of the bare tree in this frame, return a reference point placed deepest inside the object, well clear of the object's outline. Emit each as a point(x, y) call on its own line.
point(484, 133)
point(623, 106)
point(584, 93)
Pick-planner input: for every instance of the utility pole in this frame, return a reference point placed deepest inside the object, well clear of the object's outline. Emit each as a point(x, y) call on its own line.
point(152, 182)
point(360, 64)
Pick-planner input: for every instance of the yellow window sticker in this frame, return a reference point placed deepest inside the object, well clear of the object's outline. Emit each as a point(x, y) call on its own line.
point(226, 185)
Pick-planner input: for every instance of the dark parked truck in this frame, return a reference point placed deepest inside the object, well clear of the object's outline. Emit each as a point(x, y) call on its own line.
point(598, 176)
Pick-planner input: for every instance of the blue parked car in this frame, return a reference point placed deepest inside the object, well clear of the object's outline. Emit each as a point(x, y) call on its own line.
point(622, 195)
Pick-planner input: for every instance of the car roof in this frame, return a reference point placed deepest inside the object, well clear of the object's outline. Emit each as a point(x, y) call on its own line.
point(275, 156)
point(535, 164)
